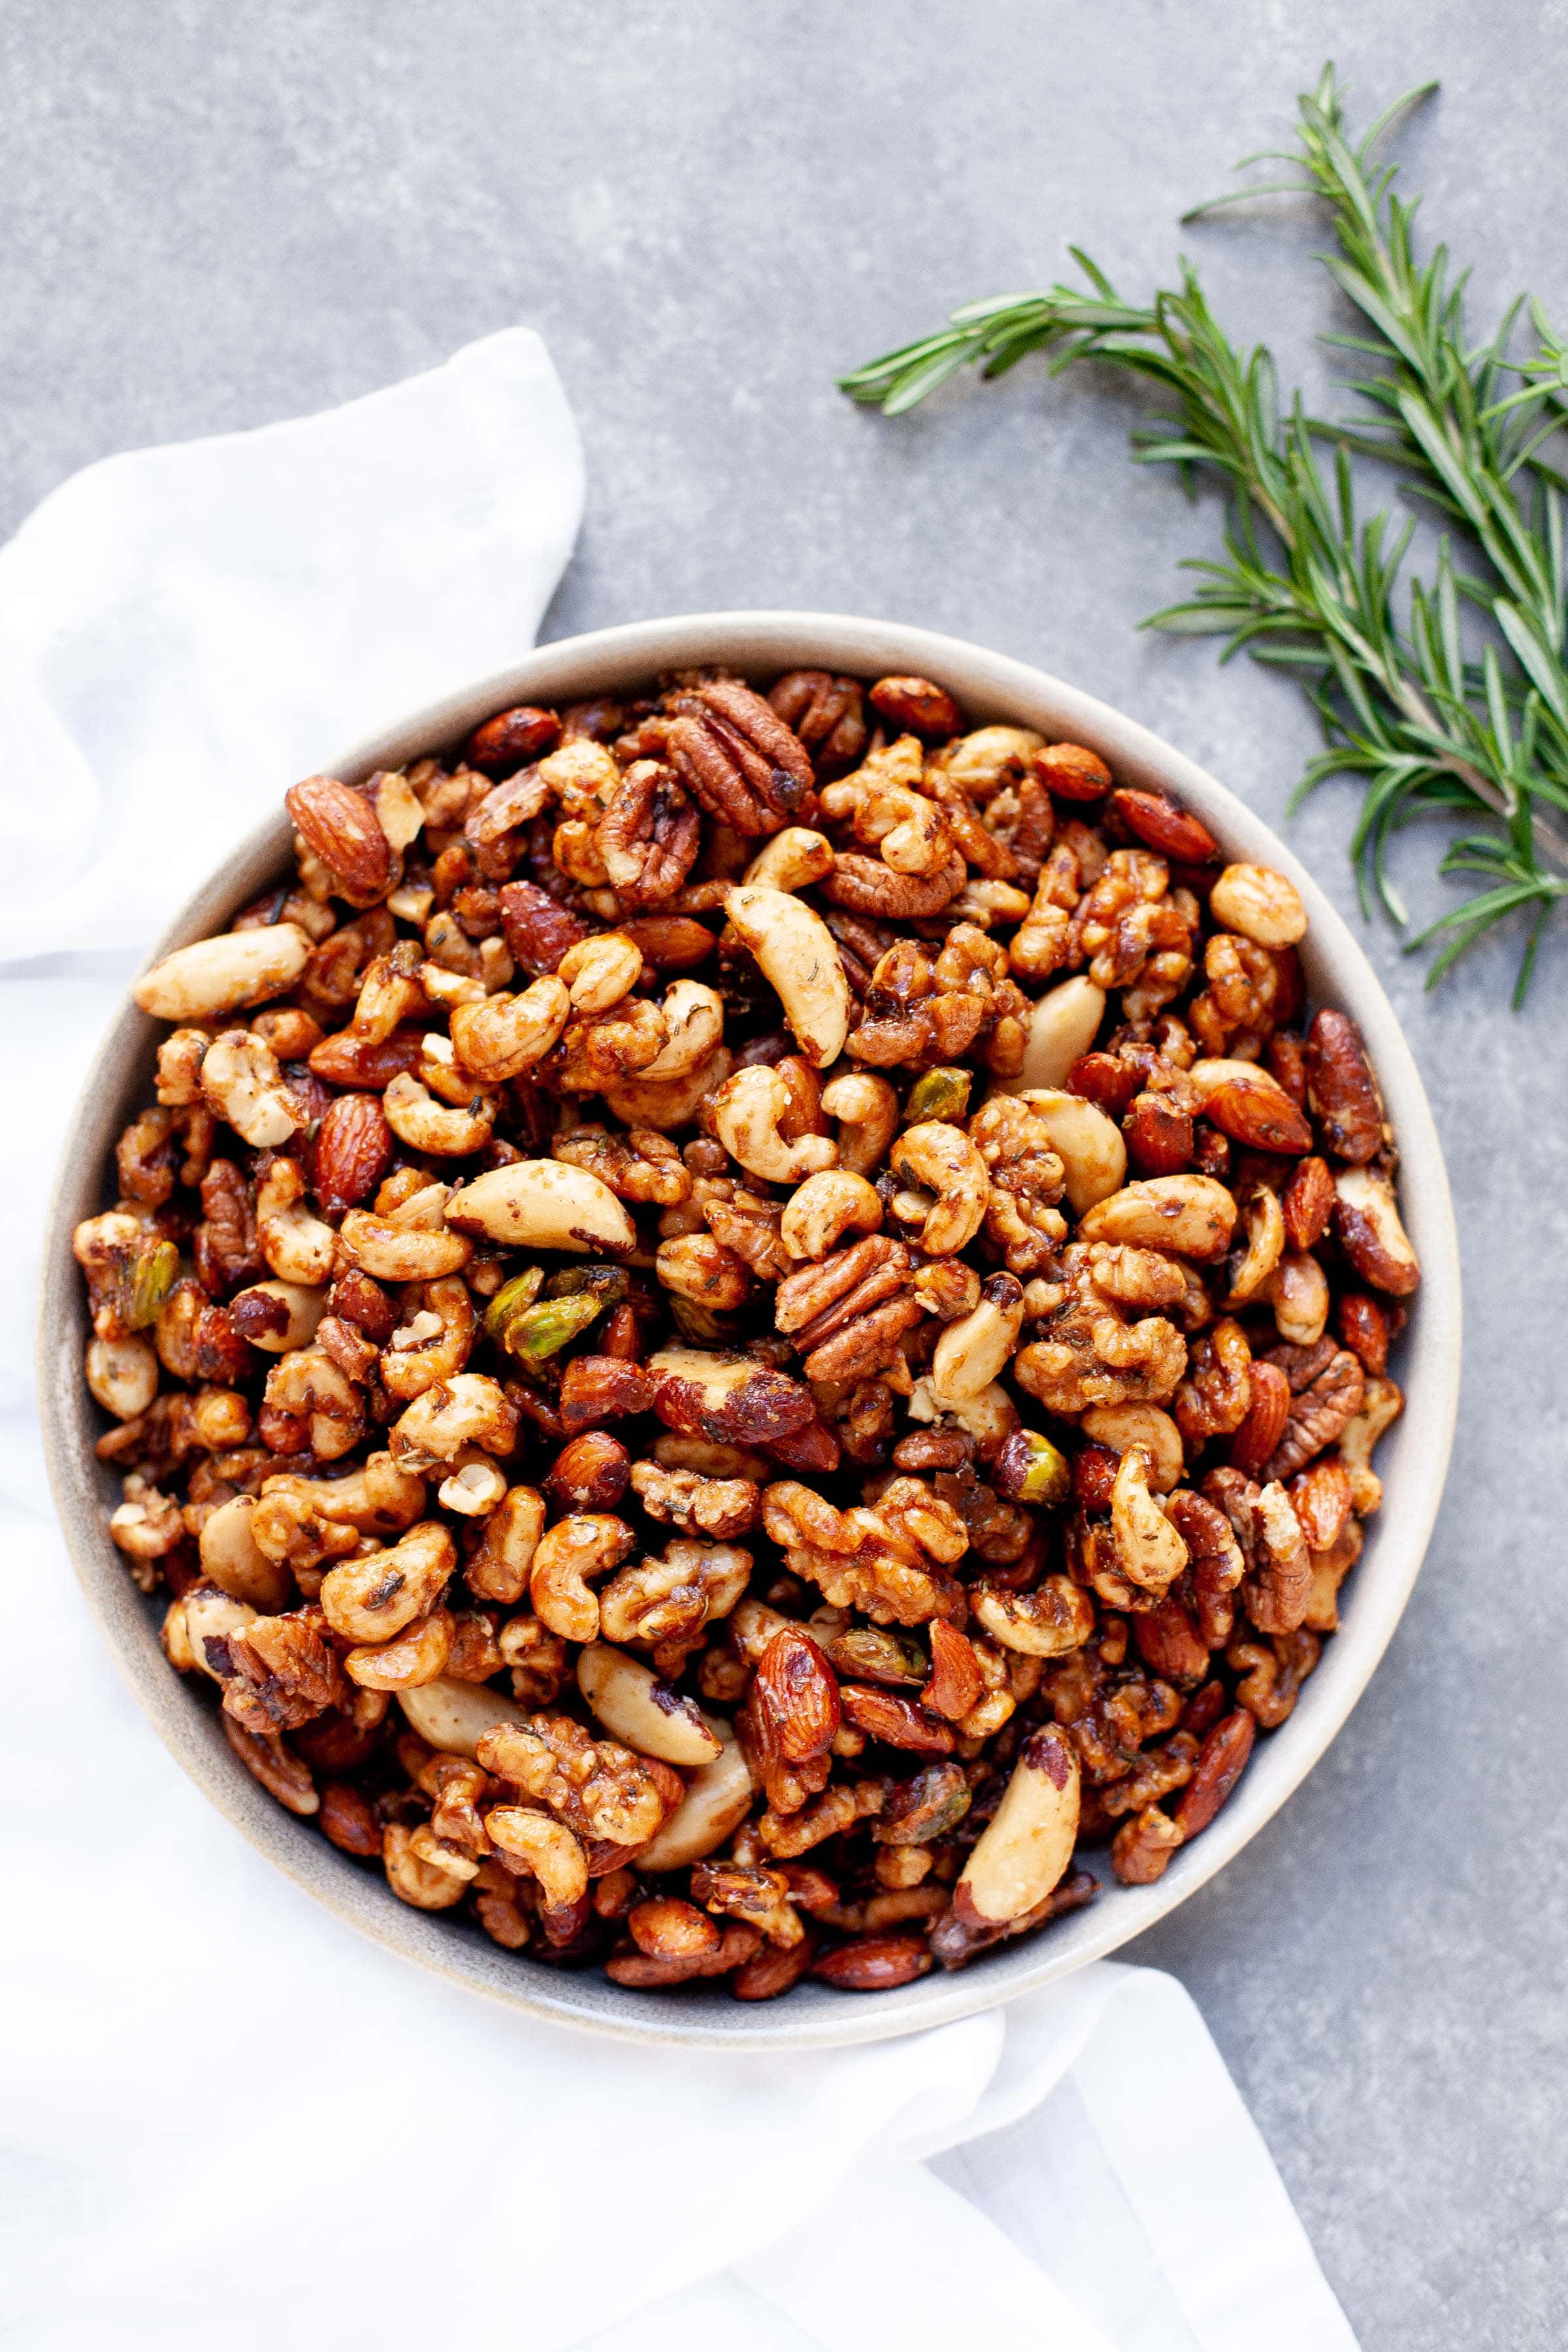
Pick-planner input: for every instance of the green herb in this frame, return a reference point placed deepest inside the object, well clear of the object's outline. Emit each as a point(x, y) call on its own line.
point(1461, 710)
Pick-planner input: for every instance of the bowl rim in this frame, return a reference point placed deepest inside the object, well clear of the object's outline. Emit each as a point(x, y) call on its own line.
point(990, 687)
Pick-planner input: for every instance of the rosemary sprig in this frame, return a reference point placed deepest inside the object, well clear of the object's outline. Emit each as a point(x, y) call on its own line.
point(1462, 710)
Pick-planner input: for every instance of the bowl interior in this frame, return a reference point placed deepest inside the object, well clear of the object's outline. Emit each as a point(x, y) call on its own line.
point(1411, 1461)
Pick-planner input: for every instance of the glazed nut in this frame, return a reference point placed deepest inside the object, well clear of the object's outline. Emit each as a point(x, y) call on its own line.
point(718, 1799)
point(693, 1017)
point(635, 1706)
point(797, 956)
point(865, 1109)
point(600, 971)
point(915, 704)
point(371, 1599)
point(242, 1082)
point(1123, 1426)
point(342, 828)
point(696, 1266)
point(1072, 772)
point(1189, 1214)
point(278, 1316)
point(1029, 1844)
point(1250, 1106)
point(1148, 1550)
point(547, 1846)
point(228, 974)
point(1157, 820)
point(122, 1374)
point(665, 1928)
point(416, 1655)
point(470, 1408)
point(417, 1118)
point(943, 1160)
point(500, 1036)
point(235, 1561)
point(1089, 1145)
point(824, 1209)
point(1368, 1228)
point(873, 1963)
point(587, 1544)
point(748, 1113)
point(1264, 1425)
point(1053, 1620)
point(455, 1716)
point(1221, 1760)
point(1341, 1092)
point(401, 1247)
point(972, 1351)
point(473, 1488)
point(543, 1205)
point(793, 860)
point(354, 1146)
point(1259, 904)
point(1063, 1026)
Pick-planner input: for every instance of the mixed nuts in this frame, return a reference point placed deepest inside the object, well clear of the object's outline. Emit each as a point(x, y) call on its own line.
point(748, 1326)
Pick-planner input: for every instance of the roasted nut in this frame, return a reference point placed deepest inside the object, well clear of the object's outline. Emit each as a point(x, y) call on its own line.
point(649, 1714)
point(1341, 1092)
point(1250, 1106)
point(587, 1544)
point(797, 955)
point(1048, 1623)
point(791, 860)
point(455, 1716)
point(543, 1205)
point(243, 1084)
point(340, 828)
point(1367, 1227)
point(372, 1599)
point(1259, 904)
point(213, 977)
point(1221, 1761)
point(824, 1209)
point(943, 1160)
point(874, 1964)
point(1089, 1145)
point(1189, 1214)
point(1029, 1844)
point(1156, 819)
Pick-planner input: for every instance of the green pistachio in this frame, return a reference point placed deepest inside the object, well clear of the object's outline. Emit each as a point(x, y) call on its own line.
point(1045, 1477)
point(544, 1329)
point(509, 1301)
point(940, 1094)
point(151, 1274)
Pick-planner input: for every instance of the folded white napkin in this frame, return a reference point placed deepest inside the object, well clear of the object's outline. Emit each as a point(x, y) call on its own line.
point(227, 2122)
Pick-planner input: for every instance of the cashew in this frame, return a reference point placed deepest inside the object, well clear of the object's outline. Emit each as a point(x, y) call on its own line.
point(1063, 1025)
point(500, 1037)
point(747, 1112)
point(825, 1208)
point(636, 1707)
point(212, 1616)
point(1369, 1229)
point(298, 1246)
point(982, 760)
point(242, 1082)
point(470, 1408)
point(1149, 1551)
point(799, 960)
point(473, 1487)
point(1263, 1224)
point(232, 1558)
point(416, 1655)
point(717, 1801)
point(499, 1569)
point(543, 1205)
point(565, 1558)
point(434, 1346)
point(455, 1716)
point(972, 1351)
point(1087, 1143)
point(402, 1247)
point(304, 1306)
point(989, 1417)
point(1029, 1843)
point(943, 1160)
point(373, 1597)
point(1056, 1617)
point(867, 1110)
point(413, 1878)
point(694, 1015)
point(224, 976)
point(548, 1847)
point(791, 860)
point(122, 1374)
point(598, 972)
point(1123, 1426)
point(305, 1382)
point(1191, 1214)
point(1300, 1296)
point(425, 1125)
point(1381, 1405)
point(664, 1104)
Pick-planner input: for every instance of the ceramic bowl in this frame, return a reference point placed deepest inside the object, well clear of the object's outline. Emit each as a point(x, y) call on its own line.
point(1411, 1463)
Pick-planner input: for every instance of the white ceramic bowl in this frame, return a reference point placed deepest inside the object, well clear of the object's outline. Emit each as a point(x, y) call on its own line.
point(1411, 1461)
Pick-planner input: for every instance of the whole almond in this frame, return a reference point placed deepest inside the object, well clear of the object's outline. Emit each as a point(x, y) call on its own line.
point(916, 705)
point(512, 738)
point(874, 1964)
point(341, 826)
point(1266, 1414)
point(797, 1693)
point(354, 1148)
point(1157, 821)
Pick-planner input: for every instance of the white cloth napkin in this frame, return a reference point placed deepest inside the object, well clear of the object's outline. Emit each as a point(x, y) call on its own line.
point(228, 2123)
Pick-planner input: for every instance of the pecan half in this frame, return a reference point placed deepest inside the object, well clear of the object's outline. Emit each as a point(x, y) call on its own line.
point(649, 836)
point(1341, 1092)
point(740, 763)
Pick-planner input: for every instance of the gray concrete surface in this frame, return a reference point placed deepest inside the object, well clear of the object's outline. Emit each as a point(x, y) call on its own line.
point(218, 216)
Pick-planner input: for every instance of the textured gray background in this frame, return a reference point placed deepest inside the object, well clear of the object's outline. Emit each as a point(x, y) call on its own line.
point(219, 216)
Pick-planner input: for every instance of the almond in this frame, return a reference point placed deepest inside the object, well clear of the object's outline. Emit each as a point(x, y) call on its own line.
point(354, 1148)
point(342, 828)
point(797, 1693)
point(875, 1964)
point(916, 705)
point(512, 738)
point(1157, 821)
